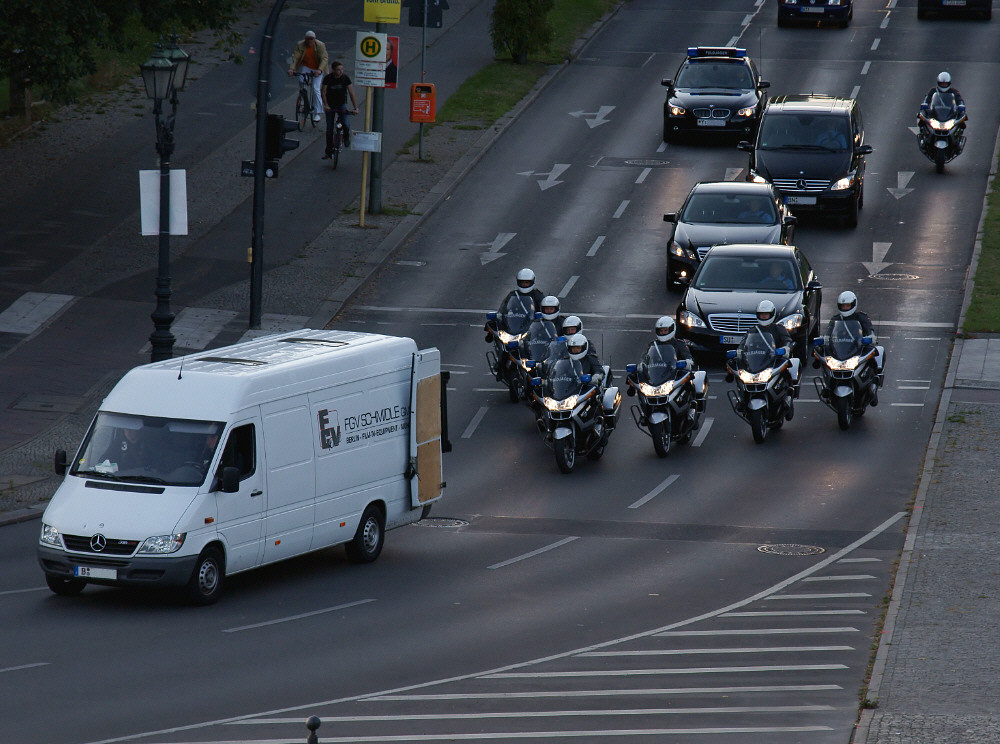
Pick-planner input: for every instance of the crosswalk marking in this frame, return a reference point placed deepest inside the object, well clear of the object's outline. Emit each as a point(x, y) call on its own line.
point(650, 672)
point(429, 697)
point(840, 595)
point(791, 613)
point(751, 650)
point(31, 311)
point(754, 631)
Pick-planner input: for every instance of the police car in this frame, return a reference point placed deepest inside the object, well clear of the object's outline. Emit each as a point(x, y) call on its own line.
point(716, 89)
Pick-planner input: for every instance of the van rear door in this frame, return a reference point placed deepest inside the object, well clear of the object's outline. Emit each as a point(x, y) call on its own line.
point(426, 476)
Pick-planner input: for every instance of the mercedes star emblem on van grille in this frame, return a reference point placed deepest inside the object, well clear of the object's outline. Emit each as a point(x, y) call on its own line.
point(98, 543)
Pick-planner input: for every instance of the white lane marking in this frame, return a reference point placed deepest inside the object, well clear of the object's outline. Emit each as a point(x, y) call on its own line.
point(907, 405)
point(596, 245)
point(549, 714)
point(642, 176)
point(875, 44)
point(290, 618)
point(913, 387)
point(475, 422)
point(599, 693)
point(25, 666)
point(594, 118)
point(489, 390)
point(921, 338)
point(493, 252)
point(653, 494)
point(792, 613)
point(662, 630)
point(879, 250)
point(30, 311)
point(533, 553)
point(924, 381)
point(860, 560)
point(554, 735)
point(732, 174)
point(751, 650)
point(662, 147)
point(902, 182)
point(621, 209)
point(705, 427)
point(567, 287)
point(747, 19)
point(866, 67)
point(23, 591)
point(855, 90)
point(195, 327)
point(840, 577)
point(754, 631)
point(733, 41)
point(551, 177)
point(885, 21)
point(667, 671)
point(838, 595)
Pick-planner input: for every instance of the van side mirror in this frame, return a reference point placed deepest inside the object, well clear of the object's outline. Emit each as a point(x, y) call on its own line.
point(745, 146)
point(865, 150)
point(61, 462)
point(814, 285)
point(230, 480)
point(670, 217)
point(763, 84)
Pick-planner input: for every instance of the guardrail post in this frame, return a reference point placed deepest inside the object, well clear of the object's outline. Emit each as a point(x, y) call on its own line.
point(312, 724)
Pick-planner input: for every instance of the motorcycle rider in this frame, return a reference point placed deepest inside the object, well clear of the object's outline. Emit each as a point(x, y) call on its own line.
point(766, 315)
point(590, 364)
point(525, 286)
point(665, 331)
point(550, 312)
point(847, 304)
point(947, 93)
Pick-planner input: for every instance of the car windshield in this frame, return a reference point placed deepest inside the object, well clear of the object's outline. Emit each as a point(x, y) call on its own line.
point(741, 209)
point(148, 449)
point(770, 275)
point(804, 132)
point(715, 74)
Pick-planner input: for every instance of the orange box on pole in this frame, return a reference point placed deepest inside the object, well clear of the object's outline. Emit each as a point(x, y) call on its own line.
point(422, 103)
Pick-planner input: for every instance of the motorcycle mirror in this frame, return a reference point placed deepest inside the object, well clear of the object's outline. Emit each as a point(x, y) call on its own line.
point(731, 354)
point(780, 352)
point(529, 363)
point(561, 339)
point(538, 316)
point(511, 345)
point(536, 381)
point(491, 316)
point(818, 341)
point(961, 108)
point(682, 364)
point(586, 378)
point(630, 368)
point(866, 340)
point(924, 107)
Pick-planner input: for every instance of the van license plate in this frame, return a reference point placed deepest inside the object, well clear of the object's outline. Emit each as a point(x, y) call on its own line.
point(800, 200)
point(88, 572)
point(731, 340)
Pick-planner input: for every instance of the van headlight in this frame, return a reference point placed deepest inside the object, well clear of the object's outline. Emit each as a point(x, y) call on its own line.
point(50, 536)
point(843, 184)
point(163, 543)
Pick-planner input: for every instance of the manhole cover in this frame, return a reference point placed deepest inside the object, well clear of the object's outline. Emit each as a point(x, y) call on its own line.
point(441, 522)
point(646, 163)
point(895, 277)
point(791, 549)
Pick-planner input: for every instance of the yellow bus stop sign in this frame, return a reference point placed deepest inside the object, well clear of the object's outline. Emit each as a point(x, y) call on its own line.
point(371, 47)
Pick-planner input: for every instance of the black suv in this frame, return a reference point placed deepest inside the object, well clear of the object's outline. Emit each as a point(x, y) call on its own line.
point(716, 89)
point(811, 147)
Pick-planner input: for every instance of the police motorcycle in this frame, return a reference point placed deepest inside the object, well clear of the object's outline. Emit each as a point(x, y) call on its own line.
point(764, 383)
point(576, 418)
point(506, 329)
point(850, 372)
point(670, 394)
point(534, 351)
point(942, 129)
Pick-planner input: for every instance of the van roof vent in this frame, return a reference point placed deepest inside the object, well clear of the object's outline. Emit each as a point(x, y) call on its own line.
point(314, 341)
point(233, 360)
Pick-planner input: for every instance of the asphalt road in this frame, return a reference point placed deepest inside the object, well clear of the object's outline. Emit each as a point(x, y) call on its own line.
point(628, 601)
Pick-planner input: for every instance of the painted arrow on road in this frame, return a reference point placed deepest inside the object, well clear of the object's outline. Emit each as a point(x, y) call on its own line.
point(550, 178)
point(494, 251)
point(902, 179)
point(877, 264)
point(598, 116)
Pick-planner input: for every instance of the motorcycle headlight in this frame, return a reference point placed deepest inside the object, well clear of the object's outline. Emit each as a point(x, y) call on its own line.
point(755, 379)
point(746, 112)
point(656, 390)
point(566, 404)
point(846, 364)
point(163, 543)
point(691, 320)
point(791, 322)
point(942, 124)
point(757, 178)
point(677, 110)
point(506, 338)
point(843, 183)
point(50, 535)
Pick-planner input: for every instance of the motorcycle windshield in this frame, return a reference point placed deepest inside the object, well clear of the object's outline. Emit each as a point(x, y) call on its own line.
point(517, 314)
point(756, 352)
point(843, 339)
point(943, 107)
point(563, 379)
point(540, 335)
point(658, 365)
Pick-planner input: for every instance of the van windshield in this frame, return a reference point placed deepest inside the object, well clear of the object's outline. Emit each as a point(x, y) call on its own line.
point(781, 131)
point(148, 449)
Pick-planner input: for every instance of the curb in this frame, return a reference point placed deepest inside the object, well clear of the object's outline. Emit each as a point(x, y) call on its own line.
point(21, 515)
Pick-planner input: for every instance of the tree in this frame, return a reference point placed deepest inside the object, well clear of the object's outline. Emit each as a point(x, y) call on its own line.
point(519, 27)
point(51, 44)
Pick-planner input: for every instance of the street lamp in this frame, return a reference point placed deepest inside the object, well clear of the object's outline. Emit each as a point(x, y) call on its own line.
point(164, 74)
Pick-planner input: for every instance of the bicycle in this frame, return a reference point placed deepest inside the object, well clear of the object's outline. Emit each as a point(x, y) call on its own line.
point(337, 139)
point(304, 103)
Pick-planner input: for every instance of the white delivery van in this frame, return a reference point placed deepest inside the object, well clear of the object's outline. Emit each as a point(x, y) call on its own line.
point(203, 466)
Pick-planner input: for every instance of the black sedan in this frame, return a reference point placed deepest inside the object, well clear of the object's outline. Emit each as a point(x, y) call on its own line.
point(719, 306)
point(721, 212)
point(815, 11)
point(716, 89)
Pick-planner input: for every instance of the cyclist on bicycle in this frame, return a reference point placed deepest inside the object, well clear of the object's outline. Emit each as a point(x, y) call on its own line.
point(336, 88)
point(310, 54)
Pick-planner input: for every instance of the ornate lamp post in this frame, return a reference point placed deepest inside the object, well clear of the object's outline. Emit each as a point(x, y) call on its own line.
point(164, 74)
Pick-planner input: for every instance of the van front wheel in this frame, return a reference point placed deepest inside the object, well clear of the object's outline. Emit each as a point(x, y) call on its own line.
point(65, 587)
point(370, 537)
point(205, 585)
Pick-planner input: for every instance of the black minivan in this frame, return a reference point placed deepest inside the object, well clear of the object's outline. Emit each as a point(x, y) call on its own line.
point(811, 148)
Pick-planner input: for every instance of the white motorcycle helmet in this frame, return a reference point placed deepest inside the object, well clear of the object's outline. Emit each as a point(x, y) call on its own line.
point(665, 329)
point(943, 81)
point(765, 313)
point(550, 308)
point(847, 303)
point(577, 345)
point(525, 281)
point(572, 325)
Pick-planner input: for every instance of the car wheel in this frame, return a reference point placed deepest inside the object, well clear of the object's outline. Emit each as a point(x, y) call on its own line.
point(65, 587)
point(851, 216)
point(205, 584)
point(370, 537)
point(668, 133)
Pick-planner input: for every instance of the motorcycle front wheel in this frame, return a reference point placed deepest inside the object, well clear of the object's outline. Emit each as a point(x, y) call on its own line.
point(758, 424)
point(661, 437)
point(514, 388)
point(565, 454)
point(939, 161)
point(845, 412)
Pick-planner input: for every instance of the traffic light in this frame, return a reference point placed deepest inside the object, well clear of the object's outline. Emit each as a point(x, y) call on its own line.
point(275, 142)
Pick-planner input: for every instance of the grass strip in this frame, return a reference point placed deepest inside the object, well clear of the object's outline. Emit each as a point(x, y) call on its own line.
point(983, 315)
